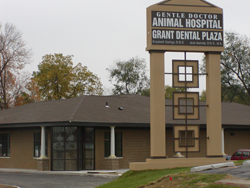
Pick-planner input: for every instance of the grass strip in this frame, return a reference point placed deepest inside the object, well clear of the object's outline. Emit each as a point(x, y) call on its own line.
point(133, 179)
point(239, 162)
point(189, 180)
point(181, 178)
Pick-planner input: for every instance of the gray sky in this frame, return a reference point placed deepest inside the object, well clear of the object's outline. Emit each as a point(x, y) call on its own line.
point(99, 32)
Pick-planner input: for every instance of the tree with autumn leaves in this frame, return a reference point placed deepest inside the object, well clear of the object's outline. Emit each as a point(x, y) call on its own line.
point(14, 55)
point(57, 78)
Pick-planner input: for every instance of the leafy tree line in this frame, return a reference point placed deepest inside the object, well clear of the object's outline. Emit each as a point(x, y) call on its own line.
point(130, 77)
point(57, 78)
point(235, 69)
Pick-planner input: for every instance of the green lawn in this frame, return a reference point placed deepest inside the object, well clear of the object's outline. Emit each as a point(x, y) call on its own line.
point(132, 179)
point(181, 176)
point(239, 162)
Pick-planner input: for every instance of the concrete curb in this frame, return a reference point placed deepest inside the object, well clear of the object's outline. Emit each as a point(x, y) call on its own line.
point(246, 163)
point(105, 174)
point(220, 165)
point(212, 166)
point(238, 183)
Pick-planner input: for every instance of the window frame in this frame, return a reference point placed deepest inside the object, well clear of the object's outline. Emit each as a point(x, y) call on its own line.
point(107, 144)
point(7, 141)
point(234, 155)
point(244, 154)
point(39, 146)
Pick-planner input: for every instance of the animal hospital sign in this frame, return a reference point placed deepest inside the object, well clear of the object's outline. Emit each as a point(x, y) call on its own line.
point(200, 29)
point(184, 26)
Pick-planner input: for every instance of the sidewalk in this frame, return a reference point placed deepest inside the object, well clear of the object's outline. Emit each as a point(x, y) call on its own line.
point(102, 173)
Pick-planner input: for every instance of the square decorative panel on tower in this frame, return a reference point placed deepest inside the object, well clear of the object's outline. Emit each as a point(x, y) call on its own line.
point(186, 137)
point(185, 74)
point(186, 105)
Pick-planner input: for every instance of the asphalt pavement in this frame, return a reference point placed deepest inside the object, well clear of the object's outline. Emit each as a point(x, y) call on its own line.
point(42, 180)
point(240, 171)
point(82, 179)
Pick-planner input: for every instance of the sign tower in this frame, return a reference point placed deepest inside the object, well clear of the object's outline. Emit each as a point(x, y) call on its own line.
point(184, 26)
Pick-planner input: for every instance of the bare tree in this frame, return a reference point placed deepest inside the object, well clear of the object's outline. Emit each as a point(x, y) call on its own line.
point(14, 55)
point(14, 85)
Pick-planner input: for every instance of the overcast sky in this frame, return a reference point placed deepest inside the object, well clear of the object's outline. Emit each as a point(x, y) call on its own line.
point(99, 32)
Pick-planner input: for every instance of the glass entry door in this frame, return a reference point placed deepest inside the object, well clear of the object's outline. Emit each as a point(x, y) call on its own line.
point(87, 149)
point(64, 148)
point(73, 148)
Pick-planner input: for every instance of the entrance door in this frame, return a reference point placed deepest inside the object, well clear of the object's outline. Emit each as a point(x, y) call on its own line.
point(87, 149)
point(72, 148)
point(64, 148)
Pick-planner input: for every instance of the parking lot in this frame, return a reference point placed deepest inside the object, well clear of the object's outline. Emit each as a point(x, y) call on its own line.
point(34, 180)
point(240, 171)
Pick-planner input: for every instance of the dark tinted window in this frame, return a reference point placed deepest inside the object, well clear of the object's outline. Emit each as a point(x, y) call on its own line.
point(237, 154)
point(37, 144)
point(245, 154)
point(4, 145)
point(118, 144)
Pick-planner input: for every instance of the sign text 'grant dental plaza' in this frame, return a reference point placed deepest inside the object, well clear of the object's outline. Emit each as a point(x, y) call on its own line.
point(201, 29)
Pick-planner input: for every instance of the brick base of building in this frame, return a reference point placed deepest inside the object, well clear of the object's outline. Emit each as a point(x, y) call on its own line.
point(42, 164)
point(112, 163)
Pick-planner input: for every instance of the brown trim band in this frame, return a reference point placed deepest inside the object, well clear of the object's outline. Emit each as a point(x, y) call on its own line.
point(157, 51)
point(212, 53)
point(214, 156)
point(159, 157)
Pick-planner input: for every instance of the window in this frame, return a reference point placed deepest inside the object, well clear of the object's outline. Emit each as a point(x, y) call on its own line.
point(5, 145)
point(237, 154)
point(186, 138)
point(107, 144)
point(245, 154)
point(64, 148)
point(118, 144)
point(37, 144)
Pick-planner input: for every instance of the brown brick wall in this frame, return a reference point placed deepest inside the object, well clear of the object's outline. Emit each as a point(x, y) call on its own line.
point(240, 140)
point(135, 146)
point(21, 148)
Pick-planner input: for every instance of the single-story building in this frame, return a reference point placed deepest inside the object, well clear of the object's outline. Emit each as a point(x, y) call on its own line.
point(77, 132)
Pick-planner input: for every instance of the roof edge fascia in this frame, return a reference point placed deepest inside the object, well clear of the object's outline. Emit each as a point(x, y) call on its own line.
point(103, 124)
